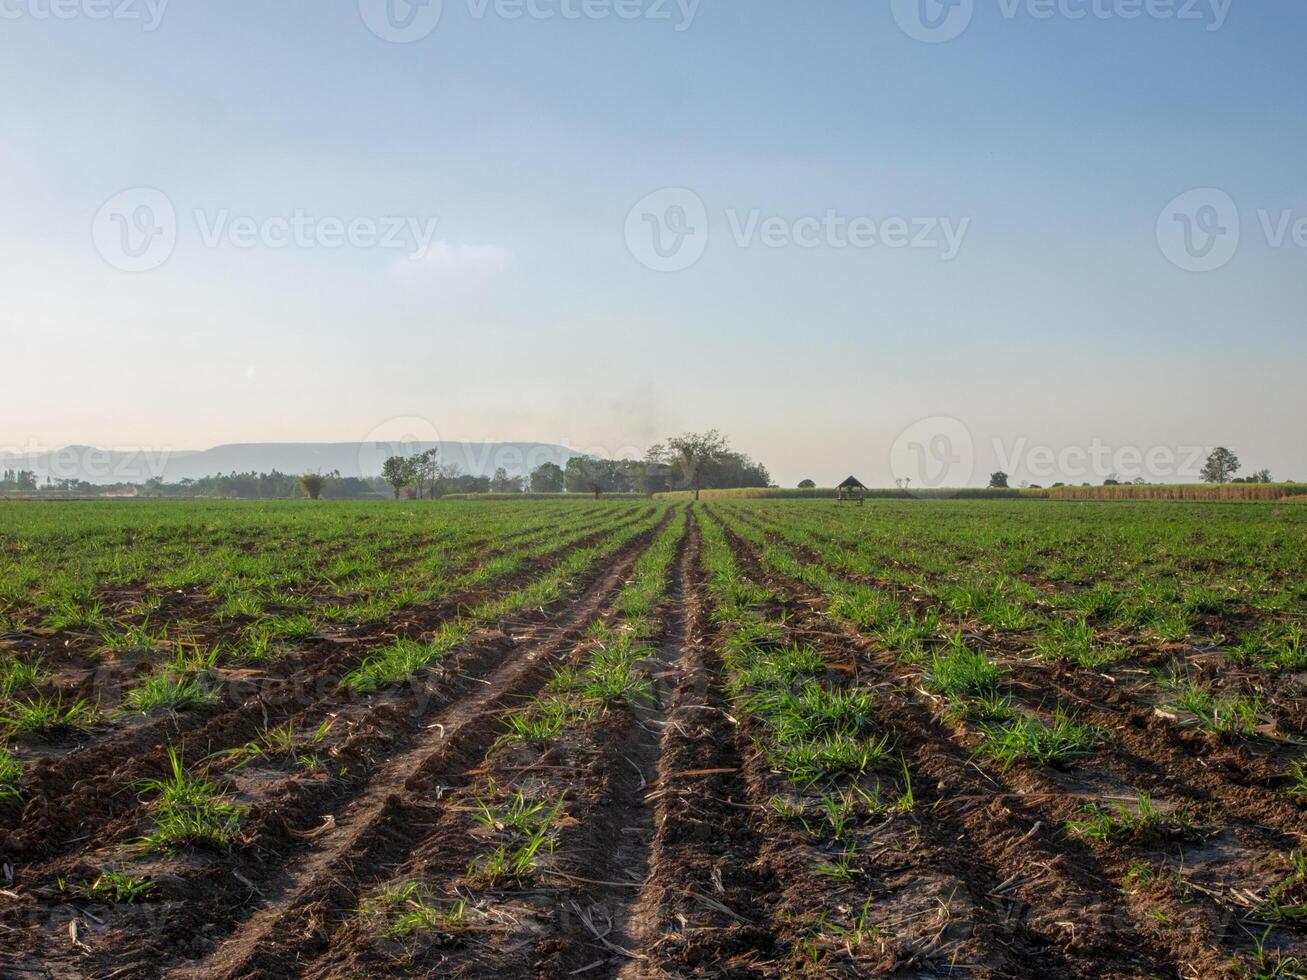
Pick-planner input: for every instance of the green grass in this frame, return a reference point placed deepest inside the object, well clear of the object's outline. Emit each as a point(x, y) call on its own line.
point(812, 761)
point(1028, 739)
point(1297, 777)
point(401, 910)
point(517, 860)
point(960, 673)
point(188, 809)
point(167, 692)
point(1278, 646)
point(1286, 901)
point(16, 674)
point(1074, 641)
point(543, 721)
point(281, 742)
point(1224, 714)
point(11, 771)
point(402, 660)
point(114, 887)
point(45, 715)
point(1120, 822)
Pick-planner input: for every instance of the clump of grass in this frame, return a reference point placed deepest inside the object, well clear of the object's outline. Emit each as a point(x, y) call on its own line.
point(16, 674)
point(1227, 714)
point(1287, 901)
point(42, 716)
point(1297, 776)
point(168, 691)
point(543, 721)
point(403, 659)
point(70, 614)
point(959, 672)
point(520, 815)
point(282, 742)
point(811, 761)
point(780, 667)
point(1029, 739)
point(1264, 964)
point(11, 771)
point(123, 639)
point(611, 676)
point(189, 810)
point(400, 910)
point(908, 632)
point(1121, 823)
point(812, 712)
point(840, 868)
point(115, 887)
point(296, 627)
point(190, 657)
point(1073, 641)
point(1274, 647)
point(531, 836)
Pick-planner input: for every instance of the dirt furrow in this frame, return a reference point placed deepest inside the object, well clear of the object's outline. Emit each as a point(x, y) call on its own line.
point(702, 908)
point(613, 853)
point(399, 805)
point(89, 796)
point(997, 832)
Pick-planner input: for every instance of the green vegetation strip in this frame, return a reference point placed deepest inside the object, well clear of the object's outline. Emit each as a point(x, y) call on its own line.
point(407, 658)
point(962, 675)
point(611, 675)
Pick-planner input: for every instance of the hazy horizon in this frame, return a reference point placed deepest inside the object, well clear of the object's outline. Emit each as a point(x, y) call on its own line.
point(832, 234)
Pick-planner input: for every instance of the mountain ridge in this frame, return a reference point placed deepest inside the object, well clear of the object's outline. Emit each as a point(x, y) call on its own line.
point(351, 459)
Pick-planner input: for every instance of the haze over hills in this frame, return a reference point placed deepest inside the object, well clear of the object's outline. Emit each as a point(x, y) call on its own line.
point(358, 459)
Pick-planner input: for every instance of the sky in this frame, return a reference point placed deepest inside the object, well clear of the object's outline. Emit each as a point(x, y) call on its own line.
point(902, 239)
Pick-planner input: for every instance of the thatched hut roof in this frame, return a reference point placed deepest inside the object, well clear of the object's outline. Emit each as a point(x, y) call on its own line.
point(852, 483)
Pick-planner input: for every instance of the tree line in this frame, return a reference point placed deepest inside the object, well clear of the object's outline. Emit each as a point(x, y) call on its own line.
point(692, 461)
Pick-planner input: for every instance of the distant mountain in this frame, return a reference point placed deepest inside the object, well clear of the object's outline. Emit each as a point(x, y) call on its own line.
point(102, 466)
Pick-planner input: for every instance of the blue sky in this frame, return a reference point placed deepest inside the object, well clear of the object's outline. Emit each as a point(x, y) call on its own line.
point(1059, 141)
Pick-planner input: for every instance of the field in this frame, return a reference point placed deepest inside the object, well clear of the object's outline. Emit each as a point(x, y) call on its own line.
point(743, 737)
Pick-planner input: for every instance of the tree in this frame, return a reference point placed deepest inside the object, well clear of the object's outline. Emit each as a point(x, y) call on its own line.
point(501, 482)
point(399, 472)
point(588, 474)
point(424, 471)
point(312, 484)
point(445, 479)
point(1220, 466)
point(998, 481)
point(547, 478)
point(693, 454)
point(806, 485)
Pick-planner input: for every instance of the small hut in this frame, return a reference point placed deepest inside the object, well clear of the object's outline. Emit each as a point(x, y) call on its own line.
point(850, 490)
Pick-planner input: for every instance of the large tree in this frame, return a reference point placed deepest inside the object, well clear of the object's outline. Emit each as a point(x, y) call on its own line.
point(547, 478)
point(588, 474)
point(399, 472)
point(424, 471)
point(312, 484)
point(1220, 466)
point(998, 481)
point(693, 455)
